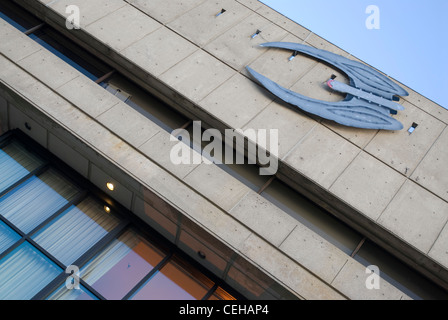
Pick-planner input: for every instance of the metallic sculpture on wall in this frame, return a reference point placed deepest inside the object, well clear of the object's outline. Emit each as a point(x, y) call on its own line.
point(370, 95)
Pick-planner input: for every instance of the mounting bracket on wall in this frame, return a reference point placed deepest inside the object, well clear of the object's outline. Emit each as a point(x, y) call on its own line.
point(370, 96)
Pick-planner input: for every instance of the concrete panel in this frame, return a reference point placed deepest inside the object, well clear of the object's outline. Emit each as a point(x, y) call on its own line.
point(88, 96)
point(368, 184)
point(358, 137)
point(263, 217)
point(237, 48)
point(352, 281)
point(292, 275)
point(425, 104)
point(46, 1)
point(68, 155)
point(28, 86)
point(254, 282)
point(121, 28)
point(415, 215)
point(165, 11)
point(404, 151)
point(201, 253)
point(159, 204)
point(90, 11)
point(19, 120)
point(439, 250)
point(155, 219)
point(237, 101)
point(292, 125)
point(314, 253)
point(251, 4)
point(217, 185)
point(322, 156)
point(201, 24)
point(284, 22)
point(274, 63)
point(204, 238)
point(48, 68)
point(432, 172)
point(197, 76)
point(120, 193)
point(129, 124)
point(320, 43)
point(159, 51)
point(196, 207)
point(251, 281)
point(159, 148)
point(15, 45)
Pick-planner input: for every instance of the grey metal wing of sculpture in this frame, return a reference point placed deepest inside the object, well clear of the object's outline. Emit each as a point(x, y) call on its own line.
point(370, 96)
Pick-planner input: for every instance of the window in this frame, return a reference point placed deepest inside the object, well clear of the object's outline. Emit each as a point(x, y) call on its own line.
point(174, 282)
point(51, 219)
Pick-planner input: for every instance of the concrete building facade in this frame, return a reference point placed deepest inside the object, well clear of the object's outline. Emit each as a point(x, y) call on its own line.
point(342, 200)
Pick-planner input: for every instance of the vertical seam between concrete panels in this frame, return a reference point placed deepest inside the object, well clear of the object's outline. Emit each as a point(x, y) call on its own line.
point(336, 275)
point(125, 3)
point(390, 201)
point(346, 168)
point(426, 153)
point(287, 236)
point(438, 236)
point(300, 141)
point(165, 24)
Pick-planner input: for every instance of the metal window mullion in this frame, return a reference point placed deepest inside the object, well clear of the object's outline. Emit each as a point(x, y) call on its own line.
point(100, 244)
point(45, 252)
point(49, 288)
point(266, 185)
point(76, 200)
point(39, 170)
point(12, 247)
point(150, 274)
point(360, 244)
point(97, 247)
point(91, 289)
point(53, 285)
point(57, 282)
point(105, 77)
point(34, 29)
point(210, 292)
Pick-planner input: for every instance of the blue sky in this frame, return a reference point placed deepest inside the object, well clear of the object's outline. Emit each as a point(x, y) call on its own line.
point(411, 44)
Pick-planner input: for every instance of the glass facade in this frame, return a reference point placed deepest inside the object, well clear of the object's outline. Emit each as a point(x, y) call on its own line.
point(49, 225)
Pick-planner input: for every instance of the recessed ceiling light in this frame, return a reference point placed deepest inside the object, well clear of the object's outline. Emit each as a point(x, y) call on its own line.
point(110, 186)
point(107, 209)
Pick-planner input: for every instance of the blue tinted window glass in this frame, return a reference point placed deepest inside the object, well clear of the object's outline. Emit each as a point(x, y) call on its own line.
point(24, 272)
point(76, 230)
point(7, 237)
point(36, 199)
point(63, 293)
point(15, 163)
